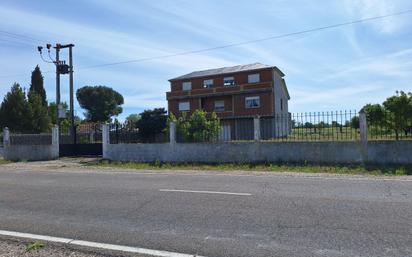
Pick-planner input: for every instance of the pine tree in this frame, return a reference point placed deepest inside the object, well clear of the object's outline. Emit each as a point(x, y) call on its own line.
point(40, 120)
point(15, 110)
point(37, 84)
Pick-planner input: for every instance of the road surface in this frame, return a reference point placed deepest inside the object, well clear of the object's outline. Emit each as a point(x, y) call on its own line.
point(214, 214)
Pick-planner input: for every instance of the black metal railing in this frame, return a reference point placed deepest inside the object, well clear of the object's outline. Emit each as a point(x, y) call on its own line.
point(124, 134)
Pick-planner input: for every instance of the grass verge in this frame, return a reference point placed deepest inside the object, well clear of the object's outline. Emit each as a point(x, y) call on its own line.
point(368, 169)
point(3, 161)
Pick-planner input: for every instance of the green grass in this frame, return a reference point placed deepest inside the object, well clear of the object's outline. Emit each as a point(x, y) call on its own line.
point(34, 246)
point(266, 167)
point(3, 161)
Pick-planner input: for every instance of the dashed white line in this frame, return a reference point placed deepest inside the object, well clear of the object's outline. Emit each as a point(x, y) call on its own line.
point(104, 246)
point(203, 192)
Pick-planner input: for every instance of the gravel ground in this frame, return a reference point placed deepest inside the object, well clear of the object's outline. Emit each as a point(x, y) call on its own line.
point(11, 247)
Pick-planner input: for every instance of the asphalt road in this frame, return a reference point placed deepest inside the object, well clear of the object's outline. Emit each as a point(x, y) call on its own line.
point(273, 215)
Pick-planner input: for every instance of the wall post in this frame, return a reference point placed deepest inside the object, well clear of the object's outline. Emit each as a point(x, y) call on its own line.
point(172, 132)
point(256, 128)
point(55, 135)
point(91, 137)
point(363, 127)
point(6, 137)
point(105, 139)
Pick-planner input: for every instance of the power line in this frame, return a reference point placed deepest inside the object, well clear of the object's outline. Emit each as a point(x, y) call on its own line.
point(251, 41)
point(232, 44)
point(15, 35)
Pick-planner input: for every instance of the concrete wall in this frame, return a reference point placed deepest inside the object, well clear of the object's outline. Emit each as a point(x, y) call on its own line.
point(34, 152)
point(31, 152)
point(383, 152)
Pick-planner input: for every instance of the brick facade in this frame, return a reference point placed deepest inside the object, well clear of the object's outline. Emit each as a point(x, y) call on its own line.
point(232, 96)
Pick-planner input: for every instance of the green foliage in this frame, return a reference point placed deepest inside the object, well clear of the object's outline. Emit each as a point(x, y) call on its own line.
point(131, 120)
point(354, 122)
point(34, 246)
point(15, 110)
point(375, 114)
point(100, 102)
point(198, 127)
point(40, 120)
point(37, 85)
point(400, 108)
point(151, 123)
point(52, 111)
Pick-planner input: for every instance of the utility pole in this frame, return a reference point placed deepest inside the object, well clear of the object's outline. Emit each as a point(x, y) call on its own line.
point(73, 126)
point(62, 68)
point(57, 47)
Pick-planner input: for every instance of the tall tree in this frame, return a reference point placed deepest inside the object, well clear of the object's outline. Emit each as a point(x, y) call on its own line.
point(131, 120)
point(15, 110)
point(400, 108)
point(39, 118)
point(37, 85)
point(100, 102)
point(151, 123)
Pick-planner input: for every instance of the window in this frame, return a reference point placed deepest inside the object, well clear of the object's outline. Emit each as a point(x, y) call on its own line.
point(253, 78)
point(187, 86)
point(184, 106)
point(229, 81)
point(252, 102)
point(208, 83)
point(281, 104)
point(220, 106)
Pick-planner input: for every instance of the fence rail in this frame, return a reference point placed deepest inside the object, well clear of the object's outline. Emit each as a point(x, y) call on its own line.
point(30, 139)
point(124, 134)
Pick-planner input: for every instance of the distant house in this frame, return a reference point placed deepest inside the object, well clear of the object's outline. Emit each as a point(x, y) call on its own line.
point(236, 94)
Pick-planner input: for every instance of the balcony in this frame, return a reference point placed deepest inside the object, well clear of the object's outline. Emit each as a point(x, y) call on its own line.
point(221, 90)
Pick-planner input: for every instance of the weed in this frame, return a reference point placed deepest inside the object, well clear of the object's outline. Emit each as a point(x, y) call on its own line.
point(34, 246)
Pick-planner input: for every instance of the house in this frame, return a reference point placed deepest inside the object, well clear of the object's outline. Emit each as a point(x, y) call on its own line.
point(236, 94)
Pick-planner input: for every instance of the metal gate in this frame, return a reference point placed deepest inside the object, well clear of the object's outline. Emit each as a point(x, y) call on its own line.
point(86, 141)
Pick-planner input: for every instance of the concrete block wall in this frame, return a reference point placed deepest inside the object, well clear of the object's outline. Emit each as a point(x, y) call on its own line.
point(382, 152)
point(31, 152)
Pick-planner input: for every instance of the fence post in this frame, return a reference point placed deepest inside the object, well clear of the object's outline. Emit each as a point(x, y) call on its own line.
point(172, 132)
point(91, 137)
point(6, 137)
point(55, 135)
point(363, 127)
point(256, 128)
point(105, 139)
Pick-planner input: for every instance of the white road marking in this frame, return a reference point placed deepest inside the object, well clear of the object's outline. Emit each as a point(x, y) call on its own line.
point(203, 192)
point(112, 247)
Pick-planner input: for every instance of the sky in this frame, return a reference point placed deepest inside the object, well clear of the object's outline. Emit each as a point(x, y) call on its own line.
point(337, 69)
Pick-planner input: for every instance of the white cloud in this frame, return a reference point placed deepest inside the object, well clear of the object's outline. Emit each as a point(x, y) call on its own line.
point(371, 8)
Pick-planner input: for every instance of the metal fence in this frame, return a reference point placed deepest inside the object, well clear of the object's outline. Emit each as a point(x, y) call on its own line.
point(30, 139)
point(124, 134)
point(86, 133)
point(386, 126)
point(309, 126)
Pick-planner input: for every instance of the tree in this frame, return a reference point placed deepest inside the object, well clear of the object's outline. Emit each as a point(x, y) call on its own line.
point(100, 102)
point(400, 109)
point(151, 123)
point(15, 110)
point(375, 113)
point(131, 120)
point(354, 122)
point(37, 85)
point(52, 110)
point(198, 127)
point(39, 118)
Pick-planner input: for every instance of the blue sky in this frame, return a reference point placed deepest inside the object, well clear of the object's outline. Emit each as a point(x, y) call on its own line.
point(337, 69)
